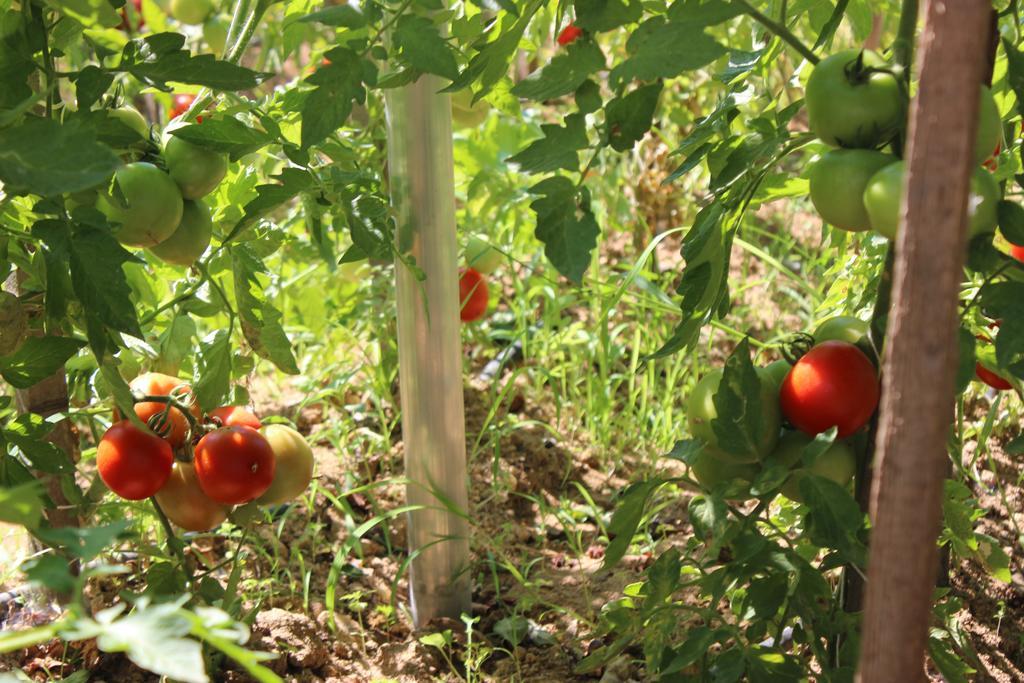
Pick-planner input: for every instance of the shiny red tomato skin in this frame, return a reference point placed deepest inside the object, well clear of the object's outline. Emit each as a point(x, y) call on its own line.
point(234, 465)
point(473, 295)
point(1017, 252)
point(990, 378)
point(236, 416)
point(832, 385)
point(569, 35)
point(132, 462)
point(181, 104)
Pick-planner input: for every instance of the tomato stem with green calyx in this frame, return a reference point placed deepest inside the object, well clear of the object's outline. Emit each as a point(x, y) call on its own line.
point(796, 347)
point(171, 402)
point(174, 543)
point(779, 30)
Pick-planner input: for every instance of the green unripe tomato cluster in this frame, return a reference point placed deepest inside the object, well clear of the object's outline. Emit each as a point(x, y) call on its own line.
point(160, 209)
point(856, 103)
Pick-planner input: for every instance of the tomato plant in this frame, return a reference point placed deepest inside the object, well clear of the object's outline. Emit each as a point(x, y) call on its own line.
point(832, 385)
point(703, 411)
point(473, 294)
point(837, 183)
point(234, 465)
point(133, 463)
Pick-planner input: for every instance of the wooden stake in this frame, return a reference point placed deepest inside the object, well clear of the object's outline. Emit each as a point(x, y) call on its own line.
point(921, 353)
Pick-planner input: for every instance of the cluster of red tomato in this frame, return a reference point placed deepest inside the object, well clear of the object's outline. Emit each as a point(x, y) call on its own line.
point(160, 207)
point(856, 103)
point(481, 259)
point(834, 384)
point(225, 457)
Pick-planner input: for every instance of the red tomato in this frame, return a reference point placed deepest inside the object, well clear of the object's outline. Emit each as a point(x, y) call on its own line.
point(181, 104)
point(1017, 252)
point(132, 462)
point(157, 384)
point(569, 35)
point(473, 295)
point(991, 163)
point(234, 465)
point(235, 416)
point(990, 378)
point(832, 385)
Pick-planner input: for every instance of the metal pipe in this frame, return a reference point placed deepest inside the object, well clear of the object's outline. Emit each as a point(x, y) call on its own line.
point(422, 186)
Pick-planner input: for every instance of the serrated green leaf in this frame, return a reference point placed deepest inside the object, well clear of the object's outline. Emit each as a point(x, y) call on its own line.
point(85, 543)
point(605, 15)
point(559, 148)
point(291, 182)
point(423, 47)
point(709, 516)
point(565, 225)
point(629, 118)
point(343, 16)
point(338, 85)
point(563, 74)
point(1011, 221)
point(22, 504)
point(88, 12)
point(226, 135)
point(261, 322)
point(629, 510)
point(214, 372)
point(661, 49)
point(28, 432)
point(33, 158)
point(37, 359)
point(737, 425)
point(99, 281)
point(158, 60)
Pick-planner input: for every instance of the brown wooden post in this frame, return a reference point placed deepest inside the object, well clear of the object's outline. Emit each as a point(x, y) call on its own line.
point(921, 353)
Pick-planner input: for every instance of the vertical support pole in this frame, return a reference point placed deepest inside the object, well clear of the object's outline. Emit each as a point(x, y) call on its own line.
point(430, 348)
point(921, 353)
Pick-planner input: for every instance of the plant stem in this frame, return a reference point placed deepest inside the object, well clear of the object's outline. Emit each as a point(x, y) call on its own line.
point(903, 47)
point(779, 30)
point(174, 543)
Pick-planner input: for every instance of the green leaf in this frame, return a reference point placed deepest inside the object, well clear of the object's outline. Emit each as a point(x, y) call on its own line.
point(423, 47)
point(629, 510)
point(16, 65)
point(605, 15)
point(1011, 221)
point(513, 629)
point(51, 572)
point(339, 16)
point(90, 84)
point(152, 638)
point(226, 135)
point(563, 74)
point(952, 668)
point(834, 515)
point(157, 60)
point(965, 370)
point(1015, 72)
point(766, 594)
point(709, 516)
point(565, 225)
point(738, 404)
point(86, 543)
point(628, 118)
point(292, 181)
point(686, 451)
point(28, 432)
point(99, 280)
point(994, 558)
point(88, 12)
point(559, 148)
point(36, 359)
point(696, 645)
point(214, 372)
point(661, 49)
point(491, 63)
point(261, 322)
point(22, 504)
point(662, 580)
point(338, 85)
point(33, 158)
point(588, 97)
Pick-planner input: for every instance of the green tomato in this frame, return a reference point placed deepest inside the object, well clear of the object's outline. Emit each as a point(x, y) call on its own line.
point(776, 372)
point(990, 127)
point(215, 33)
point(838, 463)
point(883, 193)
point(701, 411)
point(197, 171)
point(481, 256)
point(837, 183)
point(847, 109)
point(841, 328)
point(711, 471)
point(144, 201)
point(130, 117)
point(191, 238)
point(465, 114)
point(191, 11)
